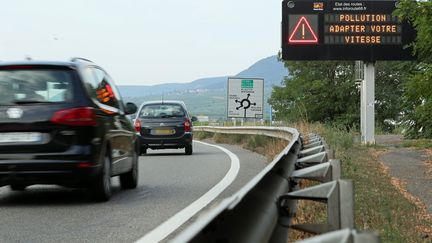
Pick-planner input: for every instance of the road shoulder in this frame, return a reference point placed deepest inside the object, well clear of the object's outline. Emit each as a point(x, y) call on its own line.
point(410, 168)
point(410, 171)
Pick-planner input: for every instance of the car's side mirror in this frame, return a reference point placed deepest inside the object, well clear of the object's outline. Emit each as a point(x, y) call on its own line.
point(194, 119)
point(131, 108)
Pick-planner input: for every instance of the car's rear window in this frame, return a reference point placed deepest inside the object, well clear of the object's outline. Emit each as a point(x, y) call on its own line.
point(152, 111)
point(35, 85)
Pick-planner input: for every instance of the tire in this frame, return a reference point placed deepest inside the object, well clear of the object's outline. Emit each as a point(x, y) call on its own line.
point(188, 149)
point(18, 187)
point(129, 180)
point(101, 191)
point(144, 151)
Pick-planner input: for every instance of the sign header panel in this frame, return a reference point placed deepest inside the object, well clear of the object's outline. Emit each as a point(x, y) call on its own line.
point(345, 30)
point(245, 98)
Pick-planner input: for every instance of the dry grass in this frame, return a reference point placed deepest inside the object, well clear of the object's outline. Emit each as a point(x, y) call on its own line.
point(401, 186)
point(267, 146)
point(303, 214)
point(272, 148)
point(382, 203)
point(428, 163)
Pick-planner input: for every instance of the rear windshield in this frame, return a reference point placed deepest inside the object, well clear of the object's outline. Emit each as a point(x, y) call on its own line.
point(35, 86)
point(161, 111)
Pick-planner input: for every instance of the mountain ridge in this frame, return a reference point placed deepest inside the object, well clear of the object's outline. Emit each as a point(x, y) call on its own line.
point(268, 68)
point(207, 96)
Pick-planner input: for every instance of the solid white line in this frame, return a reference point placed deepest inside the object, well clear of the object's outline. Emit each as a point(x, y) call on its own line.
point(173, 223)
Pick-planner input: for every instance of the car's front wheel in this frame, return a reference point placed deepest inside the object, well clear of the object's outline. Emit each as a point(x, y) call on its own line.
point(129, 180)
point(101, 190)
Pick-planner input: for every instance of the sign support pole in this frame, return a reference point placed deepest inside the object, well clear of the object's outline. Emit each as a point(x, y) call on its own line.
point(368, 104)
point(362, 110)
point(271, 116)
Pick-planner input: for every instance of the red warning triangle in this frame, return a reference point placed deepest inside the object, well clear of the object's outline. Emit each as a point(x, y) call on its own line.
point(303, 33)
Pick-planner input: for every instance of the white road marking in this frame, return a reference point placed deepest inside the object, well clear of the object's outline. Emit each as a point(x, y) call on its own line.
point(173, 223)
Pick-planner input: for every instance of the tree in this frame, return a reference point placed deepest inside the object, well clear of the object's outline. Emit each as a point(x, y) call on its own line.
point(389, 89)
point(418, 94)
point(419, 14)
point(318, 91)
point(329, 94)
point(418, 102)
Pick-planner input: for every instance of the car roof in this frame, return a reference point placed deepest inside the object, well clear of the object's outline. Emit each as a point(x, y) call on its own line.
point(75, 63)
point(164, 102)
point(155, 102)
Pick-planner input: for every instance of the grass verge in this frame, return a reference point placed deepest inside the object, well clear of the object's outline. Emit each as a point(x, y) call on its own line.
point(418, 143)
point(379, 204)
point(267, 146)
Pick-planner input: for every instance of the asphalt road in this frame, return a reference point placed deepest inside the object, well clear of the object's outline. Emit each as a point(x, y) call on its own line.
point(169, 182)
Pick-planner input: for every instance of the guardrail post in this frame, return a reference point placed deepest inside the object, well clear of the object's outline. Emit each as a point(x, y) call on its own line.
point(324, 172)
point(344, 236)
point(311, 151)
point(287, 164)
point(369, 237)
point(336, 169)
point(345, 210)
point(330, 152)
point(312, 159)
point(339, 196)
point(314, 144)
point(314, 140)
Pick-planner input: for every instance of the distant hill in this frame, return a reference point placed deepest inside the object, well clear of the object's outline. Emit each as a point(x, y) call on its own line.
point(207, 96)
point(159, 89)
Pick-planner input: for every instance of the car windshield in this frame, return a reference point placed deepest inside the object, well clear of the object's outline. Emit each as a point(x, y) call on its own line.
point(153, 111)
point(29, 86)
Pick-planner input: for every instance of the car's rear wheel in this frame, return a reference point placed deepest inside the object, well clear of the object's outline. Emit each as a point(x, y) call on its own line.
point(129, 180)
point(18, 187)
point(188, 149)
point(101, 190)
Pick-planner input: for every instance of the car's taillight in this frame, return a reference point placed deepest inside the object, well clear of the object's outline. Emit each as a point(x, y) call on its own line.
point(83, 116)
point(137, 125)
point(85, 165)
point(187, 125)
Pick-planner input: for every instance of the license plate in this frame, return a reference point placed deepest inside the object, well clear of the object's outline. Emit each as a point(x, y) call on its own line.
point(20, 137)
point(162, 131)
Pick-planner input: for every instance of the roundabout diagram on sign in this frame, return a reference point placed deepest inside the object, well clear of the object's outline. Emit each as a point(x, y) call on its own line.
point(245, 104)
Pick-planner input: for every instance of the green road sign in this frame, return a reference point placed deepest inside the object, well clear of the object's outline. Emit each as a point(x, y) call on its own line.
point(247, 84)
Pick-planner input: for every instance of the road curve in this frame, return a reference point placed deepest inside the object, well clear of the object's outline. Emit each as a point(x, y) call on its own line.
point(169, 182)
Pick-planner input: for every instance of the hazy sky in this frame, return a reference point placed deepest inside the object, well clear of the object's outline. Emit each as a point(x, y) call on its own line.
point(144, 41)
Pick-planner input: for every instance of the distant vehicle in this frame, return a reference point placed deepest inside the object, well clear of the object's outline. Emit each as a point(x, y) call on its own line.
point(164, 125)
point(65, 123)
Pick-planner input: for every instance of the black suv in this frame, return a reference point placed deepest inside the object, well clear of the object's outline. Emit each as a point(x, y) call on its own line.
point(64, 123)
point(164, 124)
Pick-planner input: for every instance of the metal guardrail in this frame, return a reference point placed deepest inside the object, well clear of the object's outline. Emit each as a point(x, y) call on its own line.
point(344, 236)
point(262, 210)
